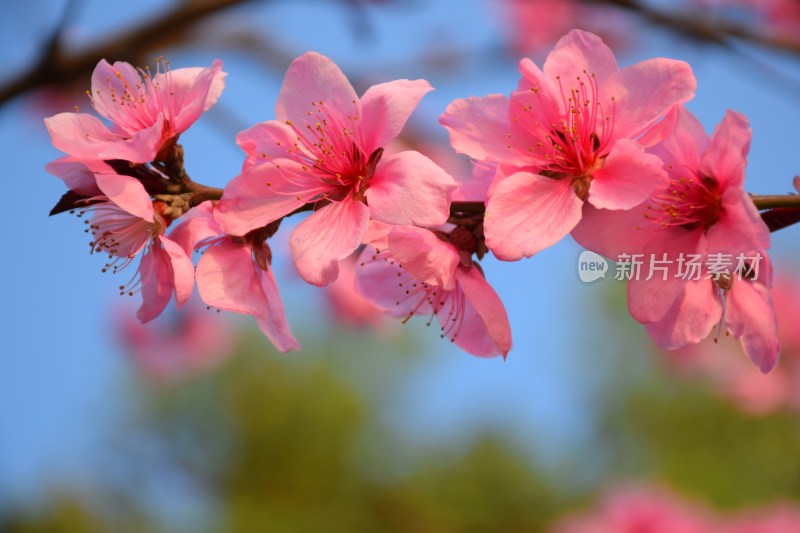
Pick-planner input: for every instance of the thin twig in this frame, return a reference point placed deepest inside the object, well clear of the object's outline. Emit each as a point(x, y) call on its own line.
point(698, 28)
point(53, 67)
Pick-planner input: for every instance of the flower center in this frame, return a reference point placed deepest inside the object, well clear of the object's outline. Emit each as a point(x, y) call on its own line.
point(330, 150)
point(690, 202)
point(133, 100)
point(571, 140)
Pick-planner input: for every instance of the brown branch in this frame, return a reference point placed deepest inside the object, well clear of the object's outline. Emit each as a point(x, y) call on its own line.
point(772, 201)
point(690, 24)
point(781, 217)
point(55, 68)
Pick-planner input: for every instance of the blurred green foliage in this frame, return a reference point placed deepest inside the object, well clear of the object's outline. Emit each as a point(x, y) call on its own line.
point(271, 442)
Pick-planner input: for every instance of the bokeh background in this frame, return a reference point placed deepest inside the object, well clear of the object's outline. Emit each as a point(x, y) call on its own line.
point(196, 423)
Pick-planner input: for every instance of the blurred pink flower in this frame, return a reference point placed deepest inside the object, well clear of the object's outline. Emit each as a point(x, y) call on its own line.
point(235, 273)
point(703, 211)
point(534, 25)
point(177, 346)
point(774, 18)
point(327, 145)
point(147, 113)
point(647, 509)
point(566, 137)
point(347, 305)
point(410, 271)
point(639, 510)
point(729, 370)
point(776, 518)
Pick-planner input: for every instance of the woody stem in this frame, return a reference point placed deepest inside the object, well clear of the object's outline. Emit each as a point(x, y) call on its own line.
point(772, 201)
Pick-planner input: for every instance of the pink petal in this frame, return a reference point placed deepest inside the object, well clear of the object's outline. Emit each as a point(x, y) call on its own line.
point(377, 234)
point(485, 330)
point(193, 93)
point(475, 188)
point(86, 137)
point(611, 233)
point(157, 282)
point(271, 316)
point(195, 226)
point(225, 277)
point(579, 53)
point(263, 194)
point(327, 236)
point(534, 106)
point(726, 157)
point(751, 319)
point(627, 178)
point(479, 128)
point(680, 137)
point(380, 279)
point(188, 80)
point(77, 174)
point(114, 84)
point(79, 134)
point(650, 300)
point(425, 256)
point(740, 227)
point(526, 213)
point(690, 319)
point(313, 77)
point(182, 270)
point(385, 108)
point(128, 193)
point(408, 188)
point(265, 141)
point(796, 183)
point(644, 92)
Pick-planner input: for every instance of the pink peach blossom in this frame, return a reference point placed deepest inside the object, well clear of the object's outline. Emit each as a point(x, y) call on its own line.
point(775, 518)
point(639, 510)
point(533, 25)
point(124, 223)
point(235, 274)
point(177, 347)
point(566, 137)
point(409, 271)
point(703, 211)
point(780, 18)
point(725, 365)
point(146, 112)
point(326, 149)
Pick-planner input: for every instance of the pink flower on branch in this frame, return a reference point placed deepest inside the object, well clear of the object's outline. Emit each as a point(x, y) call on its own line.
point(566, 136)
point(409, 271)
point(147, 113)
point(326, 149)
point(702, 211)
point(731, 373)
point(124, 223)
point(235, 274)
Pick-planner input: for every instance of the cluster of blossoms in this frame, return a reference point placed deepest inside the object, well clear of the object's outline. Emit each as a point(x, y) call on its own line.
point(582, 147)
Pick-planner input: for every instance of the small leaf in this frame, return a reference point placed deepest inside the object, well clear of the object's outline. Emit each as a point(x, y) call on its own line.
point(68, 201)
point(781, 217)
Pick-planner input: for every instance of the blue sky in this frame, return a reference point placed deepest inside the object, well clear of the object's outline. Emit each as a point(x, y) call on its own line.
point(60, 369)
